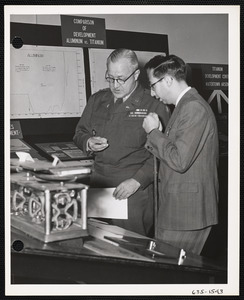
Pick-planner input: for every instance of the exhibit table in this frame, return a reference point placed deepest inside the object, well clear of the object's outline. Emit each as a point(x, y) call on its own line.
point(90, 260)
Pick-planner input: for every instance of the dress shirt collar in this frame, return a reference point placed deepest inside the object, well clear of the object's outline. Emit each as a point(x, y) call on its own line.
point(182, 94)
point(127, 96)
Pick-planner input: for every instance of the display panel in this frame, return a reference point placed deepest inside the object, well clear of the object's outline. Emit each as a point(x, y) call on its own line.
point(97, 60)
point(46, 82)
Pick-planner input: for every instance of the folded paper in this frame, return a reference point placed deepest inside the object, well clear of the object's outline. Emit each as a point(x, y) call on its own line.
point(24, 156)
point(102, 204)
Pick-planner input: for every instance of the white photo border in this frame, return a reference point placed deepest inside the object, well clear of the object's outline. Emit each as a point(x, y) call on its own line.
point(232, 287)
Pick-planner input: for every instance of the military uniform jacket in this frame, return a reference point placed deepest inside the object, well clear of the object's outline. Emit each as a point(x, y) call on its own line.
point(188, 153)
point(126, 156)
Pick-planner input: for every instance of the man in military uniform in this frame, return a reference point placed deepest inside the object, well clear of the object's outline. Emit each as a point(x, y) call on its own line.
point(111, 128)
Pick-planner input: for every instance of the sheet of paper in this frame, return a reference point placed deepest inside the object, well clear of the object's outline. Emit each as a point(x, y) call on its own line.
point(102, 204)
point(18, 145)
point(24, 156)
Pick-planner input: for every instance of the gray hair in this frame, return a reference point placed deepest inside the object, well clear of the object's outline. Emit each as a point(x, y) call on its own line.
point(124, 53)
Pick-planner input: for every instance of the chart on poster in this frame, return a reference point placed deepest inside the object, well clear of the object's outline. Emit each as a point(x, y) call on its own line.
point(46, 82)
point(97, 60)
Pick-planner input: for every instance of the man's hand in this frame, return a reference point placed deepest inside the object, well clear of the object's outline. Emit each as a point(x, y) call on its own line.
point(126, 188)
point(150, 122)
point(97, 143)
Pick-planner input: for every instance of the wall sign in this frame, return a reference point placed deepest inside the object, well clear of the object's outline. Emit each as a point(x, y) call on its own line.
point(215, 76)
point(15, 130)
point(211, 81)
point(80, 31)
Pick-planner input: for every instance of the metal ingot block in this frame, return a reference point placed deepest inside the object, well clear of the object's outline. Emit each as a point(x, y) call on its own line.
point(48, 211)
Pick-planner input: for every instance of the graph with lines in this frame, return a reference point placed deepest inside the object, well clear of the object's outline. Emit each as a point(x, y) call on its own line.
point(46, 82)
point(97, 61)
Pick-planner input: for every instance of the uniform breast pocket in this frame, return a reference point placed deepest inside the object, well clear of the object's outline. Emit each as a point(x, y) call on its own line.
point(134, 136)
point(98, 124)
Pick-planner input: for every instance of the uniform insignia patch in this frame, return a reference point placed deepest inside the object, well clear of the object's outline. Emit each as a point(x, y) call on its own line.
point(139, 113)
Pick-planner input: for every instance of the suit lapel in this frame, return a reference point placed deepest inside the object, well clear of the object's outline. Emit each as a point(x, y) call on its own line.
point(186, 97)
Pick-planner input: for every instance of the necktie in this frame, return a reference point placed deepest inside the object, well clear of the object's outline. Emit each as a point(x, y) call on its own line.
point(118, 102)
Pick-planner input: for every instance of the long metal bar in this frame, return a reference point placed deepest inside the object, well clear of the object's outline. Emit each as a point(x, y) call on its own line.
point(155, 171)
point(83, 200)
point(47, 212)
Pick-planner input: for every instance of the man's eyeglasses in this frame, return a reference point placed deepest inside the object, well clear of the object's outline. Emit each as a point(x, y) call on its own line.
point(119, 80)
point(152, 86)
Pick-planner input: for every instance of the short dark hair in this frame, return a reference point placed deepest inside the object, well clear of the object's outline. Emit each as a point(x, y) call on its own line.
point(171, 65)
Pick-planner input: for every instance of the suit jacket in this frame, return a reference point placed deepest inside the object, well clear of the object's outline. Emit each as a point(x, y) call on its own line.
point(188, 153)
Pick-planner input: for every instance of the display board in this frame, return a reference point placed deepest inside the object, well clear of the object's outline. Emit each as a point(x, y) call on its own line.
point(47, 82)
point(211, 81)
point(56, 121)
point(97, 61)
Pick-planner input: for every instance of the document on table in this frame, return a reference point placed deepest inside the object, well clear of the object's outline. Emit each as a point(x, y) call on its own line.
point(18, 145)
point(102, 204)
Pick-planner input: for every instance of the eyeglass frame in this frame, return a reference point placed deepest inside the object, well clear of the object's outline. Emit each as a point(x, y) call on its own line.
point(117, 79)
point(153, 84)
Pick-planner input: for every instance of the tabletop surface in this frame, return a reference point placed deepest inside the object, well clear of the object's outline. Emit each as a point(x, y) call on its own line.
point(93, 248)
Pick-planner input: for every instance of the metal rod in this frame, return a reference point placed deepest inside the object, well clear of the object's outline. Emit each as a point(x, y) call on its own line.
point(83, 200)
point(47, 212)
point(155, 166)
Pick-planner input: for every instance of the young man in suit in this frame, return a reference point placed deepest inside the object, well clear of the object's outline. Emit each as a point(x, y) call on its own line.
point(114, 133)
point(188, 154)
